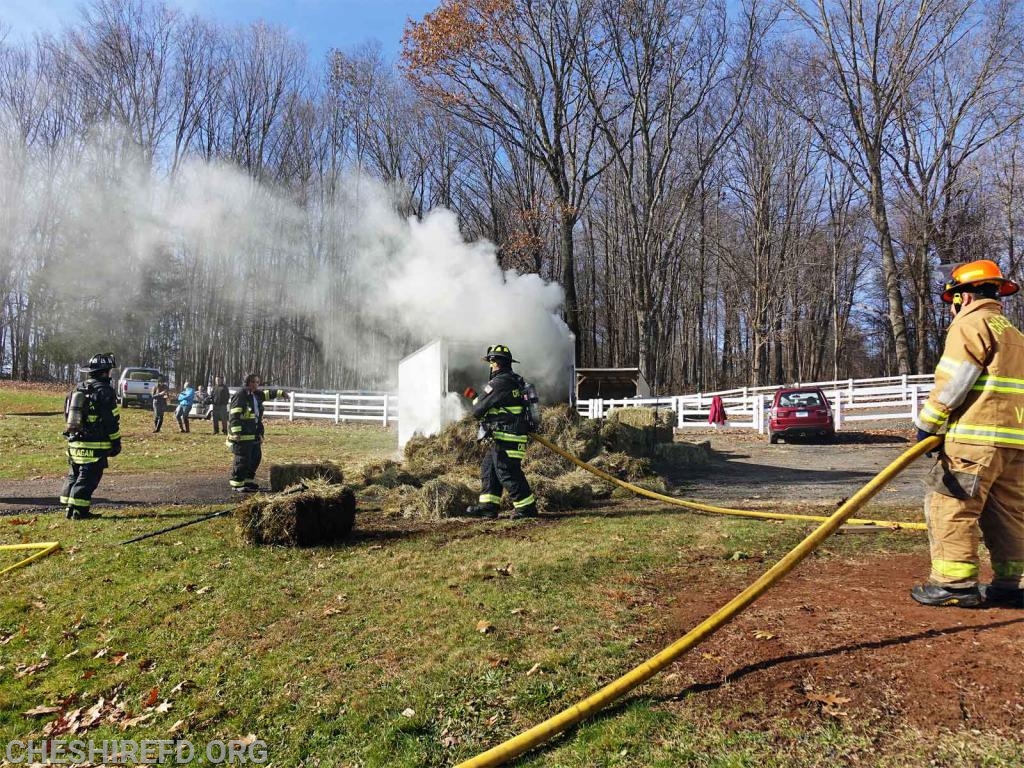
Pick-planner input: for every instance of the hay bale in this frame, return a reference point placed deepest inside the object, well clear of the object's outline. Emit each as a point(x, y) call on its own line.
point(567, 492)
point(599, 489)
point(623, 466)
point(445, 497)
point(387, 473)
point(457, 443)
point(568, 430)
point(545, 463)
point(637, 431)
point(684, 454)
point(313, 512)
point(284, 475)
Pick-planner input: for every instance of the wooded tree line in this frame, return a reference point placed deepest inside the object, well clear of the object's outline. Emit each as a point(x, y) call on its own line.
point(728, 196)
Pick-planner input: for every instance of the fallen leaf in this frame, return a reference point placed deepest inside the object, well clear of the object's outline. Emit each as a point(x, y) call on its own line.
point(32, 669)
point(89, 674)
point(763, 634)
point(176, 727)
point(534, 668)
point(332, 611)
point(203, 590)
point(408, 712)
point(41, 710)
point(164, 707)
point(556, 628)
point(181, 686)
point(151, 699)
point(830, 699)
point(101, 653)
point(131, 722)
point(21, 521)
point(245, 741)
point(483, 626)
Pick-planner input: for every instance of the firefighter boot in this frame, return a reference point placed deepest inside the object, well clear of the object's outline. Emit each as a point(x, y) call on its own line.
point(936, 595)
point(1004, 597)
point(74, 513)
point(487, 511)
point(530, 510)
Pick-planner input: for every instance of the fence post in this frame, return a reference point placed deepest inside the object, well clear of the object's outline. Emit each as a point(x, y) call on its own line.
point(291, 406)
point(759, 413)
point(913, 402)
point(679, 411)
point(837, 412)
point(386, 409)
point(903, 383)
point(337, 407)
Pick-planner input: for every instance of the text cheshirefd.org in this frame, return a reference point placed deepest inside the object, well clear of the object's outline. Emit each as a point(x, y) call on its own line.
point(130, 752)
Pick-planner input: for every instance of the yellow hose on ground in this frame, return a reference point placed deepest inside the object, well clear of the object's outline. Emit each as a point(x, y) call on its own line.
point(708, 507)
point(574, 714)
point(45, 547)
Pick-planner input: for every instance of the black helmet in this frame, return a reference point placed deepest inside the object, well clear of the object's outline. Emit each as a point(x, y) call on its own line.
point(100, 363)
point(499, 353)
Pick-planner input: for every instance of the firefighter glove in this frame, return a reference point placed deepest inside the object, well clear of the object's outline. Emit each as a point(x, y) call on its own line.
point(469, 393)
point(922, 435)
point(115, 447)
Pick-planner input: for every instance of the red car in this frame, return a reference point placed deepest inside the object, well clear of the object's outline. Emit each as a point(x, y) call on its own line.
point(803, 411)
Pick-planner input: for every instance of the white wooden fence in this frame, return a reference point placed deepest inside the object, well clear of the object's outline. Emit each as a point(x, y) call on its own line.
point(378, 407)
point(852, 400)
point(894, 397)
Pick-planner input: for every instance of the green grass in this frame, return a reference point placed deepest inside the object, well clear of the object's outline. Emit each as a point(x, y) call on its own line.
point(318, 652)
point(32, 445)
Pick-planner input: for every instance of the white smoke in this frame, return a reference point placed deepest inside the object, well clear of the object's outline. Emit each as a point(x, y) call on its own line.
point(351, 264)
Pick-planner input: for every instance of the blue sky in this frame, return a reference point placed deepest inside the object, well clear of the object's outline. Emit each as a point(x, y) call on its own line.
point(321, 24)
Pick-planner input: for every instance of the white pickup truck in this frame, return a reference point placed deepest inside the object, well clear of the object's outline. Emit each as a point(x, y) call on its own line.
point(136, 385)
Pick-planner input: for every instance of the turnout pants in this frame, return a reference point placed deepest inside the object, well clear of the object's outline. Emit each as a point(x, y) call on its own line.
point(247, 458)
point(502, 468)
point(80, 483)
point(972, 486)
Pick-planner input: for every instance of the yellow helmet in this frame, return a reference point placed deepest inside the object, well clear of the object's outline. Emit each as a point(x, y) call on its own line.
point(975, 273)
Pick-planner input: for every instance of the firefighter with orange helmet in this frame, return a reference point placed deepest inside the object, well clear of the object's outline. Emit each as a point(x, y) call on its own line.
point(977, 406)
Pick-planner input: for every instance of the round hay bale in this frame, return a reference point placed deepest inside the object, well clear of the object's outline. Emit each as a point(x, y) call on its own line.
point(445, 497)
point(314, 512)
point(285, 475)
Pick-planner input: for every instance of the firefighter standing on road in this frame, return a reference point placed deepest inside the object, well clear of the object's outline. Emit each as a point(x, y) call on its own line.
point(245, 432)
point(93, 433)
point(501, 411)
point(978, 403)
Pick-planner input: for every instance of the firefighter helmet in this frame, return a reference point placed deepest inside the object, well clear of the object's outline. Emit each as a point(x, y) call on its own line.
point(499, 353)
point(100, 363)
point(977, 273)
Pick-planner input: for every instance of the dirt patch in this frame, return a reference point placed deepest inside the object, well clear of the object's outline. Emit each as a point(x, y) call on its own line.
point(844, 641)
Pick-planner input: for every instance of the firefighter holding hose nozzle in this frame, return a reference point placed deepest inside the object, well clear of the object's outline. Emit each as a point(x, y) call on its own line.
point(506, 417)
point(977, 406)
point(245, 432)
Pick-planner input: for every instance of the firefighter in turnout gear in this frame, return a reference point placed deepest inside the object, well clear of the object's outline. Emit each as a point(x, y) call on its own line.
point(501, 410)
point(245, 432)
point(977, 404)
point(93, 433)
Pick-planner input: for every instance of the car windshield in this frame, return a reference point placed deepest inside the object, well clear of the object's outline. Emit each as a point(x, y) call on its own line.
point(799, 399)
point(143, 375)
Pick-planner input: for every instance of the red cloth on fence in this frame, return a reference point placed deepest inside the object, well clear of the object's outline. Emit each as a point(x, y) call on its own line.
point(717, 413)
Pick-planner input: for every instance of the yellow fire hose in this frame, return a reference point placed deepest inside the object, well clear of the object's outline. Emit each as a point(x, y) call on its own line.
point(708, 507)
point(45, 548)
point(553, 726)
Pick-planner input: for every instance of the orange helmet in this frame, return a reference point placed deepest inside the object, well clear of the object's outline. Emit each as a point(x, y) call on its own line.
point(981, 272)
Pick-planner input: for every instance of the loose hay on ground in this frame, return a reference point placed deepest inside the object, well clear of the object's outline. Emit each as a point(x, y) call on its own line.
point(386, 472)
point(284, 475)
point(446, 496)
point(314, 512)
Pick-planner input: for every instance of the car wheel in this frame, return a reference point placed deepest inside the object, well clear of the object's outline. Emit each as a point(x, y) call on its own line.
point(772, 437)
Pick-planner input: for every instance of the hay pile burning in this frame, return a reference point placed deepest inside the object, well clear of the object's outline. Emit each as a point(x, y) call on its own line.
point(439, 475)
point(312, 512)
